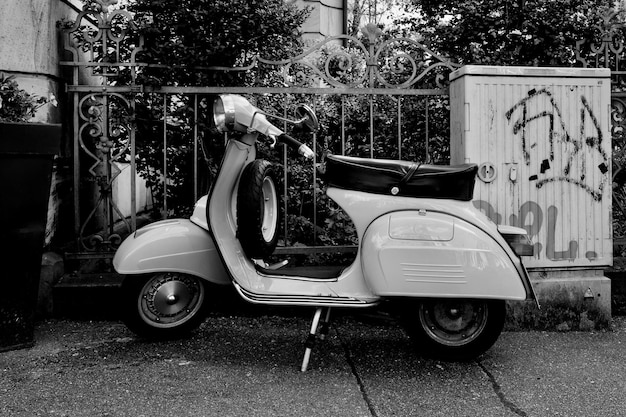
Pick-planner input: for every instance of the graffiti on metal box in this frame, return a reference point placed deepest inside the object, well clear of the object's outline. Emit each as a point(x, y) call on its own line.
point(571, 152)
point(531, 217)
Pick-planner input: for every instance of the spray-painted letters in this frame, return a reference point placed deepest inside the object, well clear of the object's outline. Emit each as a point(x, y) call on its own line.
point(572, 152)
point(556, 148)
point(531, 218)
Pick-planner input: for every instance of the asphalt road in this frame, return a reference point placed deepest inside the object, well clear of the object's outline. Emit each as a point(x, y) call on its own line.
point(249, 366)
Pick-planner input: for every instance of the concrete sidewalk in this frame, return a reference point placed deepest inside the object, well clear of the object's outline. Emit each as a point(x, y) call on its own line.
point(249, 366)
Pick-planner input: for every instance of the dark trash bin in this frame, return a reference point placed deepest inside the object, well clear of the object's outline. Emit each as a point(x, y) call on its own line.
point(26, 155)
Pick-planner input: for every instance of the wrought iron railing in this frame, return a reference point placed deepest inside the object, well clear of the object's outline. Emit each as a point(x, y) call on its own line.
point(388, 77)
point(607, 50)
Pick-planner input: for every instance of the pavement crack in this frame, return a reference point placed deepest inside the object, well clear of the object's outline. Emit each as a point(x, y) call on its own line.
point(511, 406)
point(355, 372)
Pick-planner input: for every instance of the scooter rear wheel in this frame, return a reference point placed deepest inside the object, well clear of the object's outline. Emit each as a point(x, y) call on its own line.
point(454, 329)
point(258, 212)
point(164, 305)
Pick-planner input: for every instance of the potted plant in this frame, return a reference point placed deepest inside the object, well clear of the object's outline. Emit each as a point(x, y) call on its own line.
point(26, 157)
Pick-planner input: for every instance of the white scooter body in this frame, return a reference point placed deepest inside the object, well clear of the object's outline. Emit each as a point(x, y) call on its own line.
point(408, 247)
point(442, 250)
point(173, 245)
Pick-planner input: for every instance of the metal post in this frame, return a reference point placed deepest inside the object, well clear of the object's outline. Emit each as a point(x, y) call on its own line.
point(285, 178)
point(76, 150)
point(428, 159)
point(371, 126)
point(314, 181)
point(133, 169)
point(343, 125)
point(195, 148)
point(164, 214)
point(106, 189)
point(400, 128)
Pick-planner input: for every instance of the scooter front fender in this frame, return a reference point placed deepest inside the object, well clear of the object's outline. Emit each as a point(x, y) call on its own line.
point(171, 245)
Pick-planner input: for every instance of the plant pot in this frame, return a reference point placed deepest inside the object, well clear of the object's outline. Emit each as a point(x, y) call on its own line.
point(26, 156)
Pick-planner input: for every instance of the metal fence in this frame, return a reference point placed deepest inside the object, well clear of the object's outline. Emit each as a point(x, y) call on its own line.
point(377, 97)
point(608, 51)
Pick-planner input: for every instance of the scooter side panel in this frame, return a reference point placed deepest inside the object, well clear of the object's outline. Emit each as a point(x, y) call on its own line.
point(171, 245)
point(430, 254)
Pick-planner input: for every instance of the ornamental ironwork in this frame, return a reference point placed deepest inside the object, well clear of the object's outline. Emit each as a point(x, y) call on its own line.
point(105, 49)
point(103, 135)
point(102, 40)
point(397, 63)
point(607, 50)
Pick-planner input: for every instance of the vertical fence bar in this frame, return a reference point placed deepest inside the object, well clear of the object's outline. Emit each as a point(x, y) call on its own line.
point(285, 178)
point(400, 127)
point(76, 150)
point(371, 126)
point(343, 124)
point(314, 178)
point(133, 154)
point(164, 215)
point(133, 169)
point(195, 147)
point(105, 192)
point(428, 159)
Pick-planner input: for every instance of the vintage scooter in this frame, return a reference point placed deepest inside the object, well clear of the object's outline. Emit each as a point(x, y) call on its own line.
point(423, 246)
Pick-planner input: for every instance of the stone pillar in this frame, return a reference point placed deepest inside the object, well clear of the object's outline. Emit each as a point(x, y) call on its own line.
point(327, 18)
point(30, 48)
point(31, 51)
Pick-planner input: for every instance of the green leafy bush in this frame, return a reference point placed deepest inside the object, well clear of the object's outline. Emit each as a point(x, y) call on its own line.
point(16, 105)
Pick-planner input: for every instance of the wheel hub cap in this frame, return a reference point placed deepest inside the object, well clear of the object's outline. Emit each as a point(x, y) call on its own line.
point(270, 203)
point(170, 299)
point(453, 323)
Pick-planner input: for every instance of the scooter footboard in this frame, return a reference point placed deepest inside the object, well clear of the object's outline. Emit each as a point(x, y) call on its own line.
point(433, 254)
point(171, 245)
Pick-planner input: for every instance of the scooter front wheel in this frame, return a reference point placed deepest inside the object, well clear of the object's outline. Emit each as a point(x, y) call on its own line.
point(454, 329)
point(164, 305)
point(258, 213)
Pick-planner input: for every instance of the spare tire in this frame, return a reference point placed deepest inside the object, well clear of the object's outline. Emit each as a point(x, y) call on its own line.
point(258, 213)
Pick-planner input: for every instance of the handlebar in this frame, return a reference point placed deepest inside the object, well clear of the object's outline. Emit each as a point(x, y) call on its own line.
point(302, 149)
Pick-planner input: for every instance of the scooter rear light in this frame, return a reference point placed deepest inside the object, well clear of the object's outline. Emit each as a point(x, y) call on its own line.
point(520, 244)
point(518, 240)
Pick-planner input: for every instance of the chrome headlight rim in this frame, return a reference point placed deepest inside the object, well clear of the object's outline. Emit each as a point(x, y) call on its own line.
point(224, 113)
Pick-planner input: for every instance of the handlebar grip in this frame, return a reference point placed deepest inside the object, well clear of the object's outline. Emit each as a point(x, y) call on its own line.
point(297, 145)
point(289, 141)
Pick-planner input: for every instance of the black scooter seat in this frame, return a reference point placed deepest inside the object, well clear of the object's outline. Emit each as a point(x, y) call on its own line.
point(401, 178)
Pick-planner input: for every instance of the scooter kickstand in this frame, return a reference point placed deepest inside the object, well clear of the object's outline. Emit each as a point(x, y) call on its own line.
point(310, 341)
point(325, 325)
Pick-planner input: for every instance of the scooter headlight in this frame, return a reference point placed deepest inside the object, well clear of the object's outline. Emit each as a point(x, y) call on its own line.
point(232, 112)
point(224, 113)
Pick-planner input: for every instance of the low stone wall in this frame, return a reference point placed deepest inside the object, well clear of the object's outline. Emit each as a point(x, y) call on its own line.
point(617, 275)
point(564, 305)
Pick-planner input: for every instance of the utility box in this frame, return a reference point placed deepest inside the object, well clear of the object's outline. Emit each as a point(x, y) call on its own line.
point(541, 138)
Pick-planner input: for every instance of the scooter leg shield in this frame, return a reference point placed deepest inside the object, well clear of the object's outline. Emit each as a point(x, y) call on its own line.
point(175, 245)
